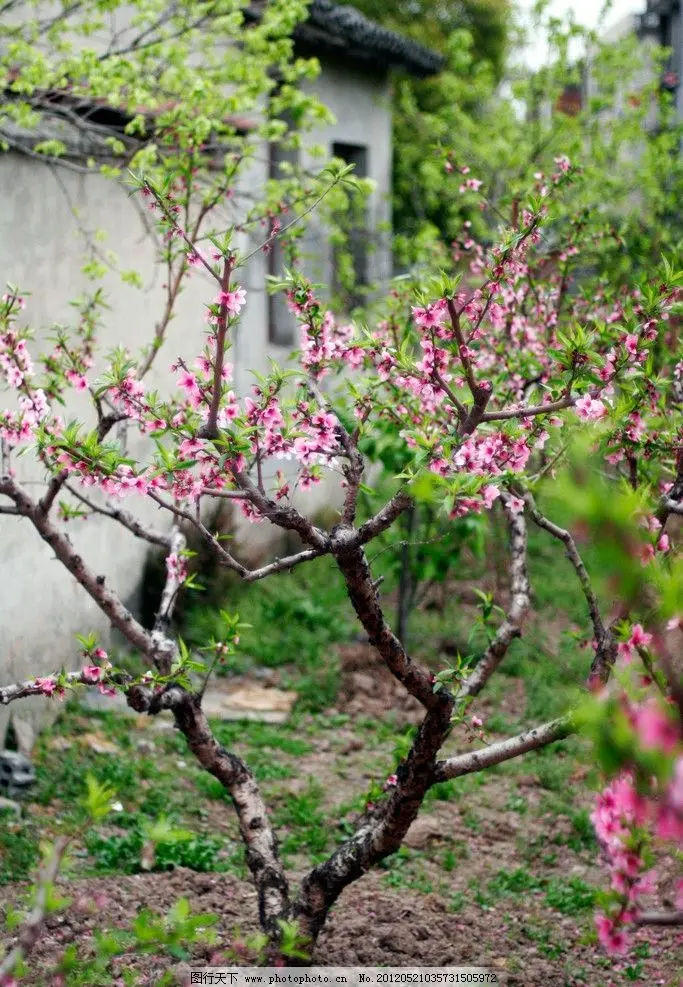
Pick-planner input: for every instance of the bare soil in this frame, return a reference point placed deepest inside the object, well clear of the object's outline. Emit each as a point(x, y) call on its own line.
point(448, 899)
point(370, 926)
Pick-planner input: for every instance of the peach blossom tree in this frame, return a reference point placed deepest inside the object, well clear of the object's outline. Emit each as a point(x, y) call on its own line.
point(489, 383)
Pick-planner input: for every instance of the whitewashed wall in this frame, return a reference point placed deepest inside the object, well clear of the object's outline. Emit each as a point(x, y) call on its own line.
point(41, 250)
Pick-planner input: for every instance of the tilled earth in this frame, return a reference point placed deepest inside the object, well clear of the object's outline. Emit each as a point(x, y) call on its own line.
point(369, 926)
point(493, 874)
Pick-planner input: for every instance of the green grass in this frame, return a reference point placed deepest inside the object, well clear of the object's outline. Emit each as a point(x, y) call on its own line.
point(19, 851)
point(294, 621)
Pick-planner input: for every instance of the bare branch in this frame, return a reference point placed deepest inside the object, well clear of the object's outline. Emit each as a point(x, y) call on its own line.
point(660, 918)
point(284, 516)
point(504, 750)
point(530, 412)
point(169, 595)
point(606, 651)
point(119, 616)
point(123, 517)
point(54, 486)
point(362, 591)
point(224, 557)
point(285, 564)
point(519, 605)
point(384, 518)
point(224, 494)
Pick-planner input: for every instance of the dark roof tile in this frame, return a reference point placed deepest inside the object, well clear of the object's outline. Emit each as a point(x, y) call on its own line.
point(336, 28)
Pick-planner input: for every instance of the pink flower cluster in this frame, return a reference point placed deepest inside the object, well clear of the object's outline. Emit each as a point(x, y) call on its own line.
point(17, 427)
point(637, 806)
point(15, 360)
point(590, 408)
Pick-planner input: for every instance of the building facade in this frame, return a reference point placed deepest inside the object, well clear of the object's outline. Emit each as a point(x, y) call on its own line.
point(44, 213)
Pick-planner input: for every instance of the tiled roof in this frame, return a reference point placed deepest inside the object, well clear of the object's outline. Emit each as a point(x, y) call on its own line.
point(334, 28)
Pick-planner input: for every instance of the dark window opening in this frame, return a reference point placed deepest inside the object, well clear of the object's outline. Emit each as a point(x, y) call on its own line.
point(355, 154)
point(281, 322)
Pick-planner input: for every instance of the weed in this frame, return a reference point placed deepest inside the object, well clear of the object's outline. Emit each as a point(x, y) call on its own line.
point(449, 861)
point(123, 854)
point(456, 901)
point(513, 882)
point(571, 896)
point(517, 803)
point(304, 815)
point(19, 852)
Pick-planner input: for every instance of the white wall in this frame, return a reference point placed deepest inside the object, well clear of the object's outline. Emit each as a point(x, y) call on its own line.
point(41, 250)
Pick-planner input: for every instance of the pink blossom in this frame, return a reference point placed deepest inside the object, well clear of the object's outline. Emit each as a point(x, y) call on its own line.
point(471, 183)
point(639, 637)
point(233, 300)
point(669, 824)
point(47, 686)
point(656, 729)
point(663, 545)
point(590, 408)
point(77, 380)
point(490, 493)
point(631, 345)
point(431, 315)
point(92, 673)
point(476, 721)
point(647, 554)
point(439, 466)
point(188, 383)
point(176, 567)
point(515, 504)
point(195, 258)
point(614, 940)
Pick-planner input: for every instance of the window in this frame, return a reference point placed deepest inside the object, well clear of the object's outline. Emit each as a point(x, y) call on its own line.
point(355, 154)
point(281, 322)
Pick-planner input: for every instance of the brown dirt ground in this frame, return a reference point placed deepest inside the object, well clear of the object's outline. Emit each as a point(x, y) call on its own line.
point(370, 926)
point(422, 913)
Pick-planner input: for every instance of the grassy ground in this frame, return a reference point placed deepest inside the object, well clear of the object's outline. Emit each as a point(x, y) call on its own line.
point(505, 861)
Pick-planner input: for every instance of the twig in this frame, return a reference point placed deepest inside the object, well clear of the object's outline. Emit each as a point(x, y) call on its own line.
point(511, 627)
point(531, 412)
point(169, 595)
point(31, 930)
point(20, 690)
point(123, 517)
point(210, 428)
point(606, 651)
point(504, 750)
